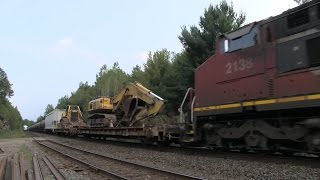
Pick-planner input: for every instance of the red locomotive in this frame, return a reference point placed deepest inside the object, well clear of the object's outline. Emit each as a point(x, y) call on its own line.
point(261, 89)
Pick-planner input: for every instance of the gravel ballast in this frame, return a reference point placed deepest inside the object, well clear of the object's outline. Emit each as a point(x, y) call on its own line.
point(209, 167)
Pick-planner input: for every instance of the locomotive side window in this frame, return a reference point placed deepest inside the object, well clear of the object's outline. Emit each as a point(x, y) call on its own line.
point(313, 51)
point(247, 37)
point(319, 11)
point(268, 35)
point(243, 42)
point(298, 18)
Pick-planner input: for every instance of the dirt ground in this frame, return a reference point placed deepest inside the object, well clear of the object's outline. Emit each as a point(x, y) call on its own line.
point(9, 147)
point(12, 146)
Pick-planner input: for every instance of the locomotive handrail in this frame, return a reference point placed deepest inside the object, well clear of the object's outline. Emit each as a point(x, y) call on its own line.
point(180, 109)
point(192, 105)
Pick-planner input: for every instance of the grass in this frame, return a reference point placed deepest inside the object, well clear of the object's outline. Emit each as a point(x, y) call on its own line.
point(8, 134)
point(27, 154)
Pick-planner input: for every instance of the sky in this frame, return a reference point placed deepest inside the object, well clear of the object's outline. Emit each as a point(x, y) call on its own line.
point(48, 47)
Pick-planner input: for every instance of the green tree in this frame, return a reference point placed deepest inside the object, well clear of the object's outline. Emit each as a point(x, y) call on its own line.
point(5, 86)
point(157, 70)
point(137, 74)
point(82, 96)
point(160, 77)
point(11, 114)
point(109, 81)
point(27, 122)
point(199, 42)
point(302, 1)
point(49, 108)
point(7, 111)
point(40, 118)
point(63, 102)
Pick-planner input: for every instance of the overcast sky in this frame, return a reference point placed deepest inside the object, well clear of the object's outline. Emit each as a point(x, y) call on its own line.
point(48, 47)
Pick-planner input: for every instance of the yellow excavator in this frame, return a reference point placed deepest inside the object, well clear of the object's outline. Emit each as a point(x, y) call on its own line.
point(71, 118)
point(100, 113)
point(131, 106)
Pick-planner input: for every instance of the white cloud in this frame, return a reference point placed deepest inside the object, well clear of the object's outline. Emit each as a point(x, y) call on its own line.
point(142, 57)
point(64, 44)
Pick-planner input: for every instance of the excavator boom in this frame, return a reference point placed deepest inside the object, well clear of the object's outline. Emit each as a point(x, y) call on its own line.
point(135, 103)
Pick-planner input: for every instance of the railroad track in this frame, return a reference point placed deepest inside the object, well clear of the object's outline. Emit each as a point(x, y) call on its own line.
point(54, 170)
point(37, 173)
point(112, 167)
point(298, 160)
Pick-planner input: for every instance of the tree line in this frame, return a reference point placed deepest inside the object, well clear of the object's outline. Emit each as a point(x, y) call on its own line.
point(168, 74)
point(8, 113)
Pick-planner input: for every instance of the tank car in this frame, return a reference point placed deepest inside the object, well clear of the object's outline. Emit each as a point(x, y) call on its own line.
point(37, 127)
point(261, 89)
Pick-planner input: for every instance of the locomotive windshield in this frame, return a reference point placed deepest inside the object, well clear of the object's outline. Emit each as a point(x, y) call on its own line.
point(240, 39)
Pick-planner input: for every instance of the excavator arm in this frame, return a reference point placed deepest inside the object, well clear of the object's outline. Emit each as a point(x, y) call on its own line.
point(134, 103)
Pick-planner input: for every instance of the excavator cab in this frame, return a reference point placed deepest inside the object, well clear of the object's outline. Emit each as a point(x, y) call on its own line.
point(100, 113)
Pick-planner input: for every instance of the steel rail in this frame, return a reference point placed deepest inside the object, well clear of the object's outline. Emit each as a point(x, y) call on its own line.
point(22, 170)
point(15, 168)
point(3, 164)
point(37, 170)
point(108, 173)
point(54, 170)
point(30, 175)
point(170, 173)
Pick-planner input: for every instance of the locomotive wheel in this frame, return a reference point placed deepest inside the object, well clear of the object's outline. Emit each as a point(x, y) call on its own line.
point(213, 139)
point(313, 142)
point(147, 142)
point(256, 141)
point(164, 143)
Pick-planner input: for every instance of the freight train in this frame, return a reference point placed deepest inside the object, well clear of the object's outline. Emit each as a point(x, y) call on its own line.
point(259, 91)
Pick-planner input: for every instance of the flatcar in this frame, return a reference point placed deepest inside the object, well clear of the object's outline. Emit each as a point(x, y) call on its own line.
point(261, 88)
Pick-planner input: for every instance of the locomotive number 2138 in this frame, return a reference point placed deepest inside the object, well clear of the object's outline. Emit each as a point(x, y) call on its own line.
point(239, 65)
